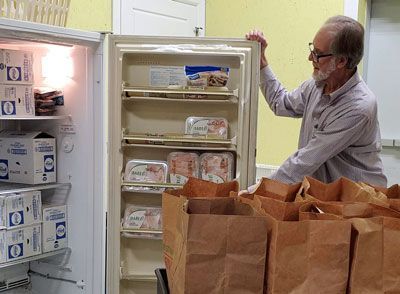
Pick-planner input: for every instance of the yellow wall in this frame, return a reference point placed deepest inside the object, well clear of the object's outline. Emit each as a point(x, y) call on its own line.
point(289, 25)
point(91, 15)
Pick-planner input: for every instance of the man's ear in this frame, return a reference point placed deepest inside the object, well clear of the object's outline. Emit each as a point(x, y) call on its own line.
point(341, 62)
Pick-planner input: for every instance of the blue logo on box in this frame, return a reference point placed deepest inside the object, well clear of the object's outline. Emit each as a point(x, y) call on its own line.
point(48, 163)
point(16, 250)
point(14, 73)
point(16, 218)
point(61, 230)
point(8, 108)
point(3, 169)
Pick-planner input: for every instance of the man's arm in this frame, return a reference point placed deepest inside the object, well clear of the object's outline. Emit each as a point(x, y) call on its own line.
point(281, 101)
point(325, 144)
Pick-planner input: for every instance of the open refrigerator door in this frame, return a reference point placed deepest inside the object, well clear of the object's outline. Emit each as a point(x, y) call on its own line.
point(178, 108)
point(51, 90)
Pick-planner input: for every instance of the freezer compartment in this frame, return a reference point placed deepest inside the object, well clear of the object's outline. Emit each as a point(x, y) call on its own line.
point(66, 66)
point(163, 69)
point(163, 117)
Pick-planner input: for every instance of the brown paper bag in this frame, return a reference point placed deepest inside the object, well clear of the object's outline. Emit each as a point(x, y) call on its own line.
point(171, 209)
point(393, 195)
point(220, 248)
point(306, 256)
point(343, 190)
point(280, 210)
point(375, 266)
point(275, 190)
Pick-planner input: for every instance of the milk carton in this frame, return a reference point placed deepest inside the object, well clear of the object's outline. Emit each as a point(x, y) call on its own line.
point(16, 67)
point(20, 209)
point(54, 233)
point(20, 243)
point(27, 157)
point(16, 100)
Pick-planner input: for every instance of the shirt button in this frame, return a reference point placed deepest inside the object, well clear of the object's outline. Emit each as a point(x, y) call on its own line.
point(314, 118)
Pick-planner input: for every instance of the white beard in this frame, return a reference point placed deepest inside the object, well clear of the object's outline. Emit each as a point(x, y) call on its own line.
point(322, 76)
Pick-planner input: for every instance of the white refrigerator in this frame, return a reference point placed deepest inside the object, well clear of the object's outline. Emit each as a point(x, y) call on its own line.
point(117, 107)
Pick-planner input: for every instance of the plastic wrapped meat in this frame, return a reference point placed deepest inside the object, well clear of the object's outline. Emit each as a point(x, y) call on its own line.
point(217, 167)
point(145, 171)
point(207, 126)
point(142, 218)
point(181, 166)
point(148, 171)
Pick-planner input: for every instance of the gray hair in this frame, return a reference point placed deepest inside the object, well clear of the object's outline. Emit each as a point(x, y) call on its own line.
point(348, 39)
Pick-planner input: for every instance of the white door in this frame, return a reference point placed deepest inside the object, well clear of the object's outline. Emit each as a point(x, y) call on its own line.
point(382, 74)
point(184, 18)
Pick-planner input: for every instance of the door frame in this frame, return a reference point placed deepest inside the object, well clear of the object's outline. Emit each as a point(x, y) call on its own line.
point(116, 14)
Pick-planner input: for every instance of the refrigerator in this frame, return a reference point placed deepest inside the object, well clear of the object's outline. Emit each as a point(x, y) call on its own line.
point(123, 99)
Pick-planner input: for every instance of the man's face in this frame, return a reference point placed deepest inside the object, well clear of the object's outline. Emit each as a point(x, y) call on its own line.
point(323, 66)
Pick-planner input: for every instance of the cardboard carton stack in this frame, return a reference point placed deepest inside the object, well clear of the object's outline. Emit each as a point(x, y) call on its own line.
point(27, 228)
point(16, 83)
point(20, 225)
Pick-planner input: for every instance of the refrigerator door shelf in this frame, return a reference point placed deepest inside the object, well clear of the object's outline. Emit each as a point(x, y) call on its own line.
point(228, 100)
point(138, 277)
point(174, 139)
point(151, 185)
point(206, 147)
point(170, 92)
point(141, 234)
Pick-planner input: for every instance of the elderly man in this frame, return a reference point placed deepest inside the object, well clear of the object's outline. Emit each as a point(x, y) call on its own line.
point(339, 134)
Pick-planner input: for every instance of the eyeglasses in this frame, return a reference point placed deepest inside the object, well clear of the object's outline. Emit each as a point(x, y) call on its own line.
point(315, 55)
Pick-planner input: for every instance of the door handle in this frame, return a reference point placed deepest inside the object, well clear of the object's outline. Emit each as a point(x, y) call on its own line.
point(197, 30)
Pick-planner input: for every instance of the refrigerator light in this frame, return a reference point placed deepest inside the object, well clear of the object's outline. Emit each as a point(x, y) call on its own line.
point(57, 68)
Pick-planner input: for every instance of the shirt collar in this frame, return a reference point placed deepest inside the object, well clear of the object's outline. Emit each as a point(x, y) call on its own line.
point(354, 80)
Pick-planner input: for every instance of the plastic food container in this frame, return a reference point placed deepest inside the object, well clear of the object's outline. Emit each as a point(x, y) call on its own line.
point(207, 126)
point(217, 167)
point(181, 166)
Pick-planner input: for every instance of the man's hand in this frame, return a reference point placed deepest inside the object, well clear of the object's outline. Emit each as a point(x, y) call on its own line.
point(258, 36)
point(251, 189)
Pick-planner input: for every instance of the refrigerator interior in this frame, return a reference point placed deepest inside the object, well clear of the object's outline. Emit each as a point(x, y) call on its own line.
point(148, 123)
point(73, 66)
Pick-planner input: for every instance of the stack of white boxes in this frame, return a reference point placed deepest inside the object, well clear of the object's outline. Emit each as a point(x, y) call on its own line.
point(16, 83)
point(21, 228)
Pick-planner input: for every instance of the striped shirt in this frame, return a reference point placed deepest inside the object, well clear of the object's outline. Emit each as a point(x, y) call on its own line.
point(339, 134)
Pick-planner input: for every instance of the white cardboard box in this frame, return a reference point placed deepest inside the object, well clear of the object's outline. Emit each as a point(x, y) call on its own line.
point(17, 100)
point(27, 157)
point(20, 209)
point(16, 67)
point(54, 233)
point(20, 243)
